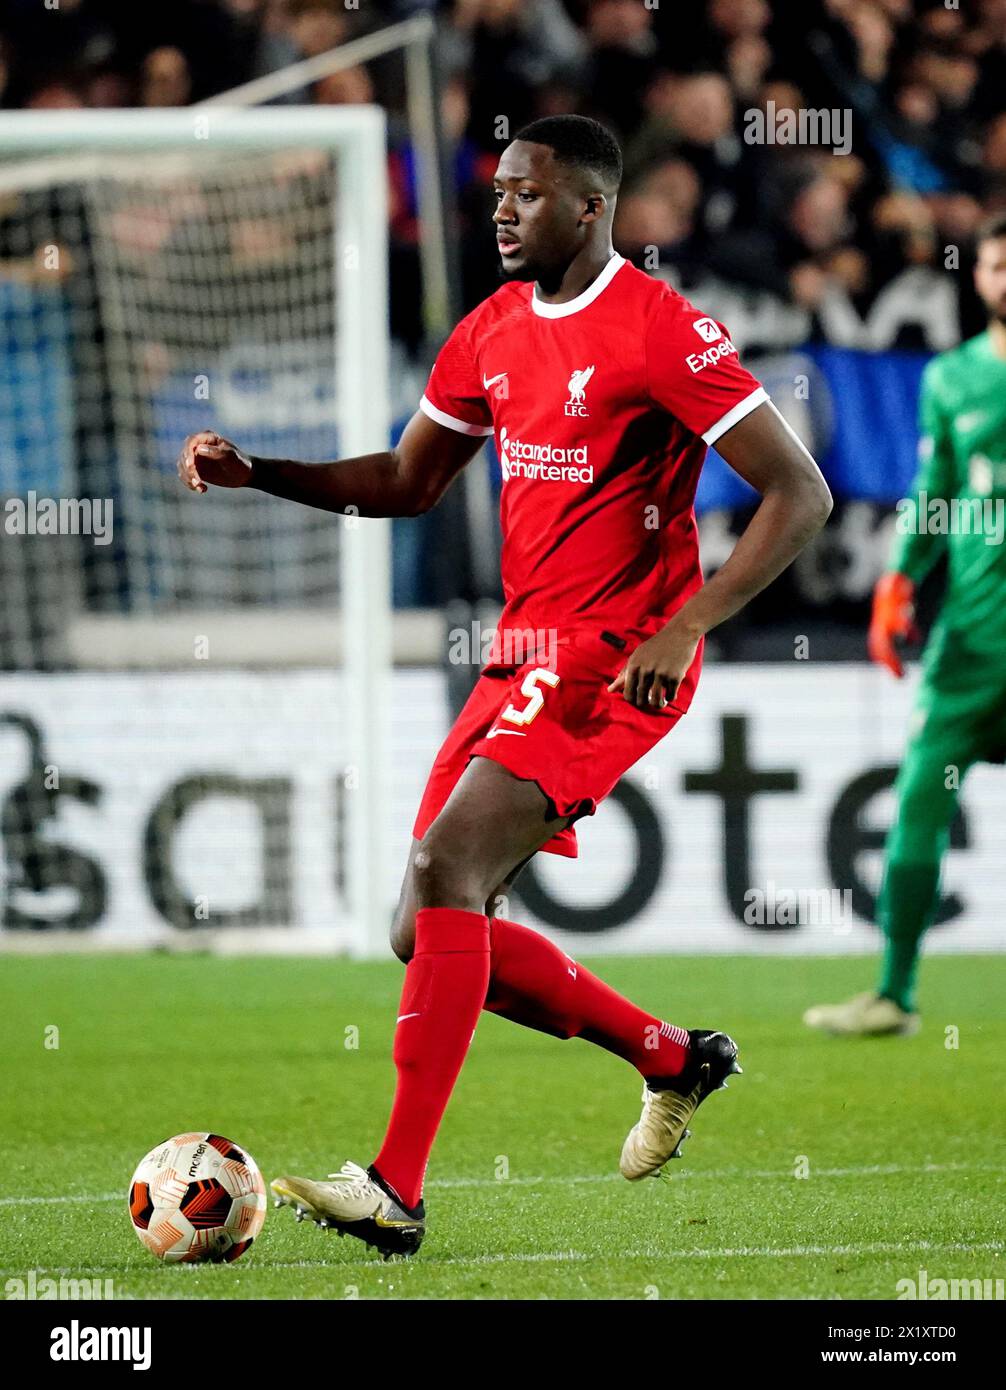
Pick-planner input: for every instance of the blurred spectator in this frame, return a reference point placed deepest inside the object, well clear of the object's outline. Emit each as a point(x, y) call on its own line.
point(165, 80)
point(508, 51)
point(623, 58)
point(694, 118)
point(318, 25)
point(920, 82)
point(55, 96)
point(352, 86)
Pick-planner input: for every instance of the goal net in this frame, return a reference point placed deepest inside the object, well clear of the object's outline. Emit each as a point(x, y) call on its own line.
point(163, 272)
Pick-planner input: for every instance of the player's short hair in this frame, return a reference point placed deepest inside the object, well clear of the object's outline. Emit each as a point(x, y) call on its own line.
point(992, 229)
point(579, 141)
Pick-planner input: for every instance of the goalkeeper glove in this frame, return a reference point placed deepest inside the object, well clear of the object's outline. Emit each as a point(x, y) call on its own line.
point(893, 617)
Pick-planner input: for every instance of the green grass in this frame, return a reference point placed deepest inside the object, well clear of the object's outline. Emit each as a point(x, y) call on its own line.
point(904, 1138)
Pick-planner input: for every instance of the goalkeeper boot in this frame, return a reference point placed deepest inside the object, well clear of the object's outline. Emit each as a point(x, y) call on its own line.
point(663, 1126)
point(355, 1202)
point(865, 1016)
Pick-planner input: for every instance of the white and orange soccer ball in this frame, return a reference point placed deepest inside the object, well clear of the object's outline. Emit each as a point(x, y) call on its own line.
point(197, 1197)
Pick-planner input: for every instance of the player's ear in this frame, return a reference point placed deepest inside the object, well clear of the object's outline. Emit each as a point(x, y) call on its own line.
point(593, 207)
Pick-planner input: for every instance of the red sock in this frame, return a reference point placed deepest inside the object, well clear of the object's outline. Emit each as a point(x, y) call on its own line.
point(445, 988)
point(532, 982)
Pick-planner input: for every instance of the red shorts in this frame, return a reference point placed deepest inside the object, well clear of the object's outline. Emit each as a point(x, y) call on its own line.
point(557, 726)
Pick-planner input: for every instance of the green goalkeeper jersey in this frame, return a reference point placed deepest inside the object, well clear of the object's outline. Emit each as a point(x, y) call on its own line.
point(958, 502)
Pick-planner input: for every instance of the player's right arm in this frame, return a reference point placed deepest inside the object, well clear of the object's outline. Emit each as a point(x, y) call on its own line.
point(917, 548)
point(403, 481)
point(440, 439)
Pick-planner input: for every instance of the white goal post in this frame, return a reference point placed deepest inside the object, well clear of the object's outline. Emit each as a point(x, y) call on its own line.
point(334, 281)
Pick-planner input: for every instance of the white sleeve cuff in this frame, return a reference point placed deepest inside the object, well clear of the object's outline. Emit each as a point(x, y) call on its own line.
point(735, 415)
point(450, 421)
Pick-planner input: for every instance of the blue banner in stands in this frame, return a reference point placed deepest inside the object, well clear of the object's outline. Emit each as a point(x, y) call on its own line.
point(871, 452)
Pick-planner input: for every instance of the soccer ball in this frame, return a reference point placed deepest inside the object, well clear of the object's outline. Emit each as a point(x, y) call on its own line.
point(197, 1197)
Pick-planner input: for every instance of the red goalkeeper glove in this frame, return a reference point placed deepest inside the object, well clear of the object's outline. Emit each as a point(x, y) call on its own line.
point(893, 617)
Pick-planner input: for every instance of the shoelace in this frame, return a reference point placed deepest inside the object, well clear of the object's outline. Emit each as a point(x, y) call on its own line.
point(349, 1176)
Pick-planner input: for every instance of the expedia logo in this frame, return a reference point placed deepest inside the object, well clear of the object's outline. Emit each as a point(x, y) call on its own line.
point(698, 361)
point(544, 462)
point(708, 330)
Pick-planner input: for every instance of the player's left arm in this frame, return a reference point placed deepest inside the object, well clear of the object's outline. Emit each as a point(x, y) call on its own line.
point(796, 502)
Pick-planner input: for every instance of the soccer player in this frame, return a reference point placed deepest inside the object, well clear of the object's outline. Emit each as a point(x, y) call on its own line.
point(960, 709)
point(603, 387)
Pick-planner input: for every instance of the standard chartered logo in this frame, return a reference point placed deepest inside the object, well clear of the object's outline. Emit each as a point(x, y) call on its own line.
point(545, 462)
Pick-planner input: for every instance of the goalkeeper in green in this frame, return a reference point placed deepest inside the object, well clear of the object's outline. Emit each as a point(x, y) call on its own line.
point(959, 719)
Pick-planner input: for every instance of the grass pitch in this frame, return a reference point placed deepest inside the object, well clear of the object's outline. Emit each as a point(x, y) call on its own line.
point(902, 1141)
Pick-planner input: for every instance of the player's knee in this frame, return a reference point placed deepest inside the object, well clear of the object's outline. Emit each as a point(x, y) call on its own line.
point(403, 936)
point(443, 874)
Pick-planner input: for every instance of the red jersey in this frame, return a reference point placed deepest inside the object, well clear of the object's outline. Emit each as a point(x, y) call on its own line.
point(602, 409)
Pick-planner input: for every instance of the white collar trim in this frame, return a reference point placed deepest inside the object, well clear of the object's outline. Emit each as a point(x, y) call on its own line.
point(546, 310)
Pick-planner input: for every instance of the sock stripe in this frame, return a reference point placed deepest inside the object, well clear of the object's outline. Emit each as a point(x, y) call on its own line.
point(674, 1034)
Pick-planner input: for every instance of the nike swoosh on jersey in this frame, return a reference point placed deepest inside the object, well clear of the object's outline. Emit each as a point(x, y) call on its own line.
point(488, 381)
point(514, 733)
point(402, 1017)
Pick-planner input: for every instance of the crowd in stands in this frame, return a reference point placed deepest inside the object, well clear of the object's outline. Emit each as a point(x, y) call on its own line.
point(915, 88)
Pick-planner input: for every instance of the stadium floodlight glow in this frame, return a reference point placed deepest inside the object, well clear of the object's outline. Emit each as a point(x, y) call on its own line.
point(222, 267)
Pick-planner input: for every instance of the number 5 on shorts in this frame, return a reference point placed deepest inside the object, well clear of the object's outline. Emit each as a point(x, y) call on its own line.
point(535, 697)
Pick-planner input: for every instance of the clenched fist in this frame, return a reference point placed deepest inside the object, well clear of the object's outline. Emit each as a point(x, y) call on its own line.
point(207, 457)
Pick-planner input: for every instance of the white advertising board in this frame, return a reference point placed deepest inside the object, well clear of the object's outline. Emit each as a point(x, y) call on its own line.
point(204, 808)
